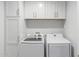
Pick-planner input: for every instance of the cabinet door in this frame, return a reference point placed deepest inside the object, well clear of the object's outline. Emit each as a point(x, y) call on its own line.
point(58, 50)
point(60, 9)
point(11, 50)
point(31, 50)
point(40, 10)
point(11, 30)
point(11, 36)
point(11, 8)
point(50, 9)
point(28, 9)
point(34, 9)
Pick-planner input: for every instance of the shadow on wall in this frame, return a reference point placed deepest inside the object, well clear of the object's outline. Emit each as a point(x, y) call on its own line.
point(72, 51)
point(72, 47)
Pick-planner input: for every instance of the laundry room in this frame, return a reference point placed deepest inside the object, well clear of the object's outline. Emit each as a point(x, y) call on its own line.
point(39, 29)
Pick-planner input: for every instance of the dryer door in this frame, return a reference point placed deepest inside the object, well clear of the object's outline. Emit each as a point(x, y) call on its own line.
point(58, 50)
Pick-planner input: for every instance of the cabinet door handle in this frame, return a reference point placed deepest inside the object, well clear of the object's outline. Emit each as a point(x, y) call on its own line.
point(17, 12)
point(18, 39)
point(56, 14)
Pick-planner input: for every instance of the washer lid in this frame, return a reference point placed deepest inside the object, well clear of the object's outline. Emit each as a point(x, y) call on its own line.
point(58, 41)
point(56, 38)
point(29, 38)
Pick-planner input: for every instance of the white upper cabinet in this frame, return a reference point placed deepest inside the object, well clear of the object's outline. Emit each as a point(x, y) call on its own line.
point(54, 9)
point(11, 8)
point(34, 9)
point(50, 9)
point(60, 9)
point(28, 8)
point(41, 10)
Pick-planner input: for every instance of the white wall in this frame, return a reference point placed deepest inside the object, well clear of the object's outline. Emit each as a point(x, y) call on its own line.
point(72, 25)
point(1, 28)
point(44, 26)
point(44, 31)
point(42, 23)
point(77, 32)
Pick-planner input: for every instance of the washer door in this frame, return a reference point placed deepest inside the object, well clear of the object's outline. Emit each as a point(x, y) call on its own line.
point(31, 50)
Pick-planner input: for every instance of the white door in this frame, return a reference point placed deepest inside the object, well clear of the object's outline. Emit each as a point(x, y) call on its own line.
point(2, 28)
point(11, 50)
point(11, 36)
point(11, 8)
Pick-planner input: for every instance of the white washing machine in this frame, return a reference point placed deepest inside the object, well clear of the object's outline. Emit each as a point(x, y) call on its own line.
point(32, 47)
point(57, 46)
